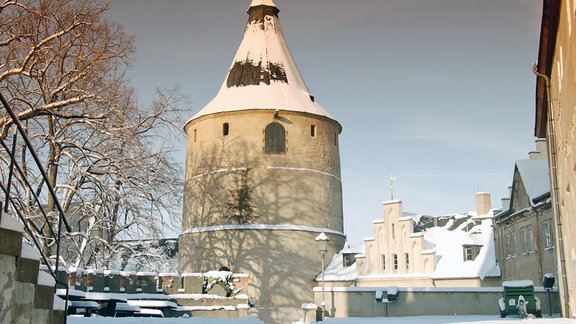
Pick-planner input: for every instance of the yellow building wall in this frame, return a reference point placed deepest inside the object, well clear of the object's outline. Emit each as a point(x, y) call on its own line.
point(563, 102)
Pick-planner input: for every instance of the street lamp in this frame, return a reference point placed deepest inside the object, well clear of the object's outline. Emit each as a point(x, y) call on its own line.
point(323, 239)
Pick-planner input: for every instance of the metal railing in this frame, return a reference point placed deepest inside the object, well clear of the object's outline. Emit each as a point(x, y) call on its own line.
point(15, 203)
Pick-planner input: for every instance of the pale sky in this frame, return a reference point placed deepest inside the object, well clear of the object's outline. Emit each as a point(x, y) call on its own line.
point(439, 93)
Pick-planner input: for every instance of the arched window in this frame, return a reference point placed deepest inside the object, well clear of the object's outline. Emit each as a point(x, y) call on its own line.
point(275, 138)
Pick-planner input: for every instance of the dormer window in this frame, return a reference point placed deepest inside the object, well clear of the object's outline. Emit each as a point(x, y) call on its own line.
point(471, 251)
point(348, 259)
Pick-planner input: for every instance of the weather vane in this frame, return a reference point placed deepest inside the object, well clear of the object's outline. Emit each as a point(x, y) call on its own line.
point(392, 179)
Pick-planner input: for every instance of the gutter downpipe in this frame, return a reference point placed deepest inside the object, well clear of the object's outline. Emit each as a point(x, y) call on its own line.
point(550, 132)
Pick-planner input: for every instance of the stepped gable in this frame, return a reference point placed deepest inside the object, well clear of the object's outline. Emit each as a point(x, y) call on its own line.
point(263, 74)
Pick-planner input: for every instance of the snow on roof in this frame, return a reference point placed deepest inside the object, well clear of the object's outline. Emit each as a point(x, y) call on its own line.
point(335, 271)
point(535, 177)
point(262, 3)
point(263, 74)
point(449, 249)
point(356, 249)
point(271, 227)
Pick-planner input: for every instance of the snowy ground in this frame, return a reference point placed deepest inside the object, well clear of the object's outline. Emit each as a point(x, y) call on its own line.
point(477, 319)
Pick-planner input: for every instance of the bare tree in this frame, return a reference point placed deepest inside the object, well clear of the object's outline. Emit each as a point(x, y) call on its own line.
point(62, 68)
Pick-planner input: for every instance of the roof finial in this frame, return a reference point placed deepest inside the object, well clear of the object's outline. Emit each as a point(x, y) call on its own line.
point(262, 3)
point(392, 179)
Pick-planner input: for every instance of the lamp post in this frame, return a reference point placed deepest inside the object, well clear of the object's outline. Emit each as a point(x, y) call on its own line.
point(323, 240)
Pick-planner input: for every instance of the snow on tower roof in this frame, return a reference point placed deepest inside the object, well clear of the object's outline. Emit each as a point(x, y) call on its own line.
point(263, 74)
point(262, 3)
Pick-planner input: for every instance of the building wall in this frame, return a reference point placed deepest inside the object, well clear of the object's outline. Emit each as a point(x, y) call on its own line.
point(533, 263)
point(562, 110)
point(525, 232)
point(286, 200)
point(360, 301)
point(395, 249)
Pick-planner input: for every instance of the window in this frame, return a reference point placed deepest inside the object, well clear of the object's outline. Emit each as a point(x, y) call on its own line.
point(274, 138)
point(527, 237)
point(348, 259)
point(510, 239)
point(395, 259)
point(407, 261)
point(548, 233)
point(383, 262)
point(225, 128)
point(471, 251)
point(313, 130)
point(194, 135)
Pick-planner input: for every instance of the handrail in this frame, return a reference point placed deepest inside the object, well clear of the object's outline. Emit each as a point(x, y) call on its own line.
point(36, 159)
point(10, 200)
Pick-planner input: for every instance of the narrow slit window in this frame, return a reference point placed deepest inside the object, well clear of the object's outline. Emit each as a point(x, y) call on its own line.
point(225, 129)
point(313, 130)
point(194, 136)
point(407, 261)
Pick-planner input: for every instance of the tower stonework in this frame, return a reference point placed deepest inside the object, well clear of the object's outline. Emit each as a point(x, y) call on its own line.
point(263, 175)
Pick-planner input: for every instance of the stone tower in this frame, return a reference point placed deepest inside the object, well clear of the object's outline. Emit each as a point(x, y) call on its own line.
point(263, 175)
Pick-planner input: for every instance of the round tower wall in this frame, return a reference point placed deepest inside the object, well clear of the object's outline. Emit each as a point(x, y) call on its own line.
point(257, 212)
point(231, 179)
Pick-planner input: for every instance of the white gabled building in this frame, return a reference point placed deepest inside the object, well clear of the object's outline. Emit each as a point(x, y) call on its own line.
point(410, 250)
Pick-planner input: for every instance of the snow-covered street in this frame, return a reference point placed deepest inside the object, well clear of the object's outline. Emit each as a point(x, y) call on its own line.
point(478, 319)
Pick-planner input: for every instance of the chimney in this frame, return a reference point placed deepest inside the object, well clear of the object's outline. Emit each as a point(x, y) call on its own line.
point(505, 203)
point(483, 204)
point(541, 152)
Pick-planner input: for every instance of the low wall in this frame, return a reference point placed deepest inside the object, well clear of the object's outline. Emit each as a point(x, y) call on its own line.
point(211, 294)
point(106, 281)
point(360, 301)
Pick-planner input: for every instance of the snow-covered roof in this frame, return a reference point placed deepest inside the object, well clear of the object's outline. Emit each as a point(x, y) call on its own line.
point(447, 242)
point(263, 74)
point(262, 3)
point(535, 177)
point(335, 271)
point(449, 247)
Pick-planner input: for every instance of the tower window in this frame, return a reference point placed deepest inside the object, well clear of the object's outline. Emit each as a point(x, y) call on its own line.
point(194, 135)
point(274, 138)
point(225, 129)
point(313, 130)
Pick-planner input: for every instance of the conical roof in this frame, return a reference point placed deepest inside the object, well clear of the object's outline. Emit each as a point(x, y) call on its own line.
point(263, 74)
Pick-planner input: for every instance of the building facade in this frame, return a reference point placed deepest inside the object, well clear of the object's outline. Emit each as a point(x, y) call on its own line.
point(525, 230)
point(263, 175)
point(555, 120)
point(430, 251)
